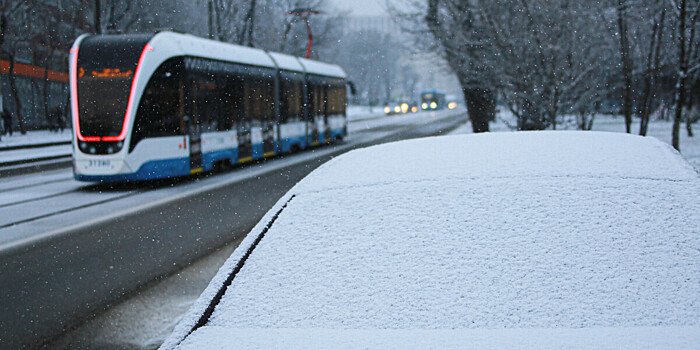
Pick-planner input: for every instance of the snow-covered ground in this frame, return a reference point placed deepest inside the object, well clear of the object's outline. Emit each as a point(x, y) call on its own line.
point(21, 154)
point(529, 240)
point(35, 138)
point(364, 112)
point(660, 129)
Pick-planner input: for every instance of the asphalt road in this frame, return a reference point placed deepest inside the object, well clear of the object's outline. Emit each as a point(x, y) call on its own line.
point(55, 284)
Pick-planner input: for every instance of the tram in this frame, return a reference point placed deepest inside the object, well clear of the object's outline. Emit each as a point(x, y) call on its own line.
point(168, 104)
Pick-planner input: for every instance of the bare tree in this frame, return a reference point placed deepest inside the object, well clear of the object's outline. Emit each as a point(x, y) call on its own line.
point(687, 17)
point(456, 26)
point(623, 34)
point(652, 71)
point(372, 61)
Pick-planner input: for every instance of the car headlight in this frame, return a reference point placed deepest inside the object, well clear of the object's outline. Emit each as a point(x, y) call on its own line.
point(433, 105)
point(424, 105)
point(387, 110)
point(397, 109)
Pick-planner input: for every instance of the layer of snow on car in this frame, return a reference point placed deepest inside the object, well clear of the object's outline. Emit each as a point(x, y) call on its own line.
point(528, 240)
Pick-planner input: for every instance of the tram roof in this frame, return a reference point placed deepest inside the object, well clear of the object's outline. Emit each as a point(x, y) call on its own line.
point(201, 47)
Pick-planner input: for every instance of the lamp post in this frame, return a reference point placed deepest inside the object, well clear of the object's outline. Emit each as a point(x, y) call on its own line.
point(304, 14)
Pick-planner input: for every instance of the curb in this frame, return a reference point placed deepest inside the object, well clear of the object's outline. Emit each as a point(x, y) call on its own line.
point(37, 145)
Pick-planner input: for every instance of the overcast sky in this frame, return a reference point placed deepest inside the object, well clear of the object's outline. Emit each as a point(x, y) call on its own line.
point(361, 8)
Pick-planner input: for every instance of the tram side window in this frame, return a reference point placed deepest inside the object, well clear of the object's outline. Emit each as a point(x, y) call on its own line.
point(260, 99)
point(161, 108)
point(336, 99)
point(236, 92)
point(291, 99)
point(205, 106)
point(232, 104)
point(309, 102)
point(319, 100)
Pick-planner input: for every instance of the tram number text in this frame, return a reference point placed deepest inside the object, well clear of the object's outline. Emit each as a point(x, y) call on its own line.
point(98, 163)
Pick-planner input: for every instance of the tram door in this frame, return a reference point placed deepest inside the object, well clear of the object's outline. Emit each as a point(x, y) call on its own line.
point(192, 122)
point(193, 131)
point(311, 107)
point(269, 131)
point(245, 142)
point(269, 121)
point(326, 124)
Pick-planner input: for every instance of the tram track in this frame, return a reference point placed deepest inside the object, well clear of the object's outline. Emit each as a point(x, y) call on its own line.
point(35, 165)
point(63, 211)
point(142, 187)
point(22, 187)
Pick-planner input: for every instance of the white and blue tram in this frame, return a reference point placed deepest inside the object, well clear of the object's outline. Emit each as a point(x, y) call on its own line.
point(168, 104)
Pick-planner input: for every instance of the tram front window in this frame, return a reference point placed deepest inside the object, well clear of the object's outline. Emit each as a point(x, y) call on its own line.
point(106, 68)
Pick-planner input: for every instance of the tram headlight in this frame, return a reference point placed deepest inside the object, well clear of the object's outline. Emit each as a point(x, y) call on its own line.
point(424, 105)
point(387, 110)
point(433, 105)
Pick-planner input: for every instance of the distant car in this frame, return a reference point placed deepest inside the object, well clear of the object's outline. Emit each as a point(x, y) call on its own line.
point(451, 101)
point(392, 107)
point(502, 240)
point(400, 107)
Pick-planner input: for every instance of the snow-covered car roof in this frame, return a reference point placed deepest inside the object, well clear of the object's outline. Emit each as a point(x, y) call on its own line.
point(530, 239)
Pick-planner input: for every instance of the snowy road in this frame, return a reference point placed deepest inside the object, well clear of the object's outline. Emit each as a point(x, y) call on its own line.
point(71, 248)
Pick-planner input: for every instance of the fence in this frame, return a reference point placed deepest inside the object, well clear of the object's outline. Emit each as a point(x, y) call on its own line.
point(29, 81)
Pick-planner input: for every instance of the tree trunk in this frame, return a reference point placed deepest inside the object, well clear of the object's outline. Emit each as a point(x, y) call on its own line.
point(626, 63)
point(689, 125)
point(481, 107)
point(96, 18)
point(252, 23)
point(590, 122)
point(217, 23)
point(15, 95)
point(682, 76)
point(45, 86)
point(248, 23)
point(210, 21)
point(652, 73)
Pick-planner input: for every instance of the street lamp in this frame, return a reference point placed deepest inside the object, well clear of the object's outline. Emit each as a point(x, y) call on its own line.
point(305, 13)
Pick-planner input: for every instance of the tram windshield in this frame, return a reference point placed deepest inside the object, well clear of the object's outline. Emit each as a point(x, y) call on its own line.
point(106, 68)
